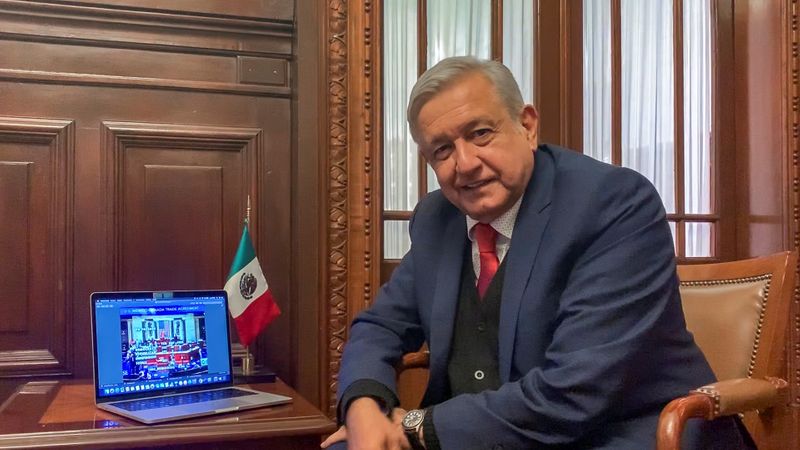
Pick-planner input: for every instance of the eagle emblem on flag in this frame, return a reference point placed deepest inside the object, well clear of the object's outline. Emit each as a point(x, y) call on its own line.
point(247, 285)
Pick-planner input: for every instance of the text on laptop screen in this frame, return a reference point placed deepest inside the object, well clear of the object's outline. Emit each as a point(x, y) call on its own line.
point(145, 344)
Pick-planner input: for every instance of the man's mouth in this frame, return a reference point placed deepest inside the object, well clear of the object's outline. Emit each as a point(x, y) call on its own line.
point(476, 184)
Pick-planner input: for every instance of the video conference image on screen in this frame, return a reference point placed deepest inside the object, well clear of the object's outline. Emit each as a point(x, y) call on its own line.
point(157, 346)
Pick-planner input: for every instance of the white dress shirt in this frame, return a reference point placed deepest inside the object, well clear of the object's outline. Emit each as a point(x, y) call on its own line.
point(504, 225)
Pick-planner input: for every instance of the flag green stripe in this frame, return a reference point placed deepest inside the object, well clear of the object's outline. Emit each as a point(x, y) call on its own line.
point(244, 254)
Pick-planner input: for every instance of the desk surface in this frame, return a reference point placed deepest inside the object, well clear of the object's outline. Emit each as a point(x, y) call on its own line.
point(42, 414)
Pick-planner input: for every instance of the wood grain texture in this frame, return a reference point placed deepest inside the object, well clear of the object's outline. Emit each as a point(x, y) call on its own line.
point(62, 414)
point(167, 138)
point(36, 180)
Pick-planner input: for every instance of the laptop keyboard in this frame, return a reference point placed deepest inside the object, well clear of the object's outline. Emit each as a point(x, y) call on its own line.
point(182, 399)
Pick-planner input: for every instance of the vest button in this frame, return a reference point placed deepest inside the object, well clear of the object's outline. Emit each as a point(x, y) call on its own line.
point(481, 327)
point(479, 375)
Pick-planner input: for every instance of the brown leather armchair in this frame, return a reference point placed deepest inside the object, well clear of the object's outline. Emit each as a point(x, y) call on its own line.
point(739, 315)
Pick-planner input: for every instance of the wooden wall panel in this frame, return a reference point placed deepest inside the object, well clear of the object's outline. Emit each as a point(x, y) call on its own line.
point(15, 196)
point(765, 43)
point(276, 9)
point(762, 173)
point(182, 205)
point(35, 238)
point(179, 185)
point(71, 44)
point(176, 116)
point(310, 221)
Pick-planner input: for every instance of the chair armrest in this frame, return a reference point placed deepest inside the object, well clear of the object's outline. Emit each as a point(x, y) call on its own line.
point(723, 398)
point(414, 360)
point(745, 394)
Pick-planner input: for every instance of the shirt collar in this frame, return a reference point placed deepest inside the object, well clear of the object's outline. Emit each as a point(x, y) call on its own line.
point(503, 224)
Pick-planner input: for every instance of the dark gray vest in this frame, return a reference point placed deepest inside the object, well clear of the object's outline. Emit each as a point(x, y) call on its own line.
point(473, 365)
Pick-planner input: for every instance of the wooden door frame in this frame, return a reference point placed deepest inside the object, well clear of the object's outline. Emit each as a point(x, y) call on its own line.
point(352, 52)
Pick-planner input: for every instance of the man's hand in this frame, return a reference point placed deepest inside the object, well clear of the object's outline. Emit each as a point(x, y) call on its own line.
point(338, 436)
point(368, 428)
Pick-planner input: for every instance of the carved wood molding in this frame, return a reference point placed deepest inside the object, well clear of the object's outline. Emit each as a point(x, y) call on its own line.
point(353, 188)
point(252, 55)
point(793, 89)
point(109, 25)
point(337, 251)
point(119, 136)
point(31, 362)
point(91, 79)
point(59, 136)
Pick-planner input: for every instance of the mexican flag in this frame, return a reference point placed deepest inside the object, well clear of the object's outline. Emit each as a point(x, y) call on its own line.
point(249, 299)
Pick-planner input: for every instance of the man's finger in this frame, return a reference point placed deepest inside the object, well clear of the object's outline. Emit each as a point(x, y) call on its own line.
point(338, 436)
point(397, 415)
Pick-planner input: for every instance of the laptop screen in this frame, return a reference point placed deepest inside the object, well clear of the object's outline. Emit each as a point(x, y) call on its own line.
point(150, 342)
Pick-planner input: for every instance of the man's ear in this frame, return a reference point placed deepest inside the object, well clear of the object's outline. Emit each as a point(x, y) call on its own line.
point(529, 118)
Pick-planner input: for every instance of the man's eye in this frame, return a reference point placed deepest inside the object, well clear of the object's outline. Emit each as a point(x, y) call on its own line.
point(441, 151)
point(481, 134)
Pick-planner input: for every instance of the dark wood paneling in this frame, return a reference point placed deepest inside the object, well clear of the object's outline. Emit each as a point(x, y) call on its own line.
point(163, 108)
point(269, 71)
point(765, 49)
point(35, 238)
point(134, 27)
point(308, 127)
point(760, 129)
point(15, 181)
point(256, 9)
point(71, 44)
point(172, 188)
point(52, 58)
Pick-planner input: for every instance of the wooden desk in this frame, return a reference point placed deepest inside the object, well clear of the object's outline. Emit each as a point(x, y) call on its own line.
point(47, 414)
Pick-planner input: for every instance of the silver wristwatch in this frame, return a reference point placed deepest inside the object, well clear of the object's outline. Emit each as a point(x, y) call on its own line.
point(412, 424)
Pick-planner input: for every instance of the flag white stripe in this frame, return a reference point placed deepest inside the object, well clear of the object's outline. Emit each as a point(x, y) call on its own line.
point(236, 302)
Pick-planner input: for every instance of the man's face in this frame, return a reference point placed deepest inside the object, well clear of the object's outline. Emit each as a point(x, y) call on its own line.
point(482, 157)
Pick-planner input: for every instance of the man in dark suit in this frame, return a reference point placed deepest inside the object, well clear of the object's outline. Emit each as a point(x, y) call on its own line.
point(543, 282)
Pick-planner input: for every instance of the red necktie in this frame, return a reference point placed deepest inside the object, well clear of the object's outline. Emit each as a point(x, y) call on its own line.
point(486, 237)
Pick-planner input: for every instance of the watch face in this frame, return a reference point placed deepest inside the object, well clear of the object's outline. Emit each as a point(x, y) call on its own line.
point(413, 418)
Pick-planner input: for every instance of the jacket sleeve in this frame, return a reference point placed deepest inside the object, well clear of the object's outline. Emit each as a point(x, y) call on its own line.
point(380, 335)
point(619, 302)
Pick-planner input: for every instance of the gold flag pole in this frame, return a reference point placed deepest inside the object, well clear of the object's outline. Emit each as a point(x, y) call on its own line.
point(248, 361)
point(247, 213)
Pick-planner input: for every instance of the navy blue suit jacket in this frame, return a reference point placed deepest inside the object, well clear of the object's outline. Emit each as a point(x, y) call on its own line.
point(592, 338)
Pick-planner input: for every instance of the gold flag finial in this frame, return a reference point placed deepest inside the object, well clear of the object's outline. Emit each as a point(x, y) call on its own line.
point(247, 214)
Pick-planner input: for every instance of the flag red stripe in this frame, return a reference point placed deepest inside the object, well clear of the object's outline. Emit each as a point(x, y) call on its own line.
point(255, 317)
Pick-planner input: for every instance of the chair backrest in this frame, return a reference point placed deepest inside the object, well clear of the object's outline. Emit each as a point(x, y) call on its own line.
point(739, 313)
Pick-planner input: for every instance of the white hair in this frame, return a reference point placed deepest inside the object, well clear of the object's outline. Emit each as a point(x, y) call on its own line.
point(448, 71)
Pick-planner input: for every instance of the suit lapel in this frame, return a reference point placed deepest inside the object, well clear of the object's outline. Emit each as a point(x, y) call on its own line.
point(528, 230)
point(445, 301)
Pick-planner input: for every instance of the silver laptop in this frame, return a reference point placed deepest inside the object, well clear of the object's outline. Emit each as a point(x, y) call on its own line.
point(162, 356)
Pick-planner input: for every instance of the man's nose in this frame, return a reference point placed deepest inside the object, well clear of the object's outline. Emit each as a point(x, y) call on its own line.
point(466, 157)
